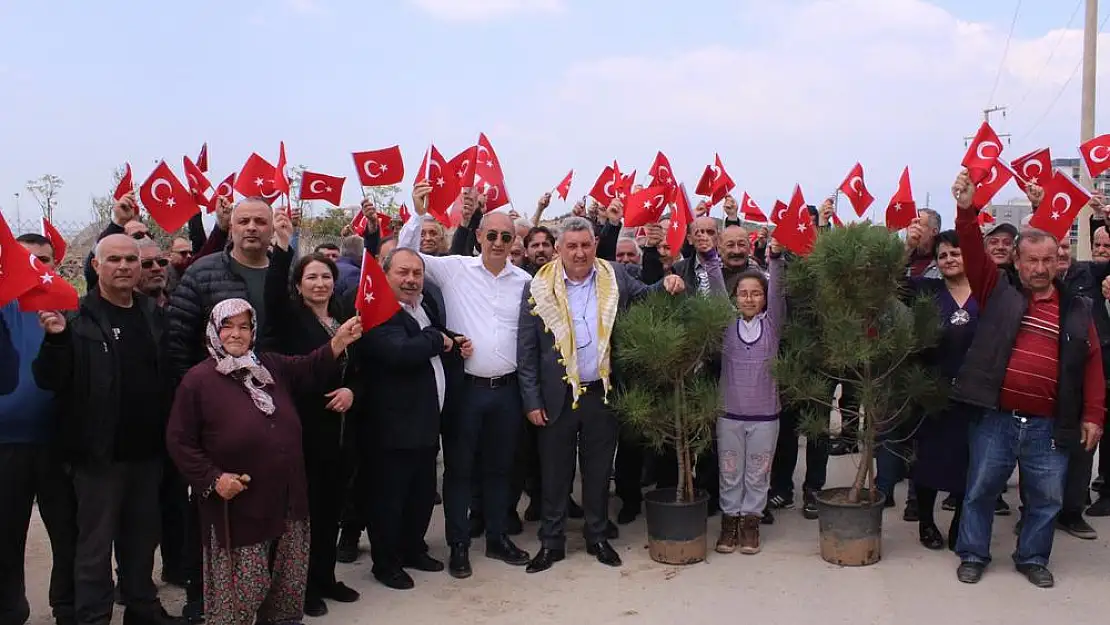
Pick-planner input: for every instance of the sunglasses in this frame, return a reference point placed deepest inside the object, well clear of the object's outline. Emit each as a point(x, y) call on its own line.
point(162, 262)
point(506, 237)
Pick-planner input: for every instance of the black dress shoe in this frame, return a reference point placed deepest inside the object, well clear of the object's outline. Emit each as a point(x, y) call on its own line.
point(612, 532)
point(768, 517)
point(314, 606)
point(605, 553)
point(574, 510)
point(438, 499)
point(507, 552)
point(532, 513)
point(346, 550)
point(545, 559)
point(423, 562)
point(513, 526)
point(1037, 575)
point(970, 572)
point(627, 514)
point(342, 593)
point(458, 565)
point(477, 526)
point(396, 579)
point(930, 537)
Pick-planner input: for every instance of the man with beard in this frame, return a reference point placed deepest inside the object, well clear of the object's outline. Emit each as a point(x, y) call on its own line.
point(154, 274)
point(539, 247)
point(734, 248)
point(695, 272)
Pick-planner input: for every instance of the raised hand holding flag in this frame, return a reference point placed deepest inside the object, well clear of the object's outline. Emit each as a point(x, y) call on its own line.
point(375, 300)
point(126, 184)
point(902, 210)
point(795, 229)
point(1063, 199)
point(563, 189)
point(855, 190)
point(981, 153)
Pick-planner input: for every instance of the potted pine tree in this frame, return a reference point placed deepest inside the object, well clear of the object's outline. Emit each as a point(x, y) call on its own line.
point(850, 325)
point(662, 346)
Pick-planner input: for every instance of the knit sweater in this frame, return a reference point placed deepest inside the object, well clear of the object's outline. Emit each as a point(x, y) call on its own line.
point(747, 382)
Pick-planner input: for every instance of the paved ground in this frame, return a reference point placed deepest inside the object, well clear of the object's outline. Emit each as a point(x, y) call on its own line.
point(787, 583)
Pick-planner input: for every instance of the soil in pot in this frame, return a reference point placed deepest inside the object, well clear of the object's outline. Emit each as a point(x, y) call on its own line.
point(676, 531)
point(851, 534)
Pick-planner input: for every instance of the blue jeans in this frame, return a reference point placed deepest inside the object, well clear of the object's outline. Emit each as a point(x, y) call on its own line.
point(998, 441)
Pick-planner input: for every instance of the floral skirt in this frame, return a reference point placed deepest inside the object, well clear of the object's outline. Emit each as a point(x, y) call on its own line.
point(263, 583)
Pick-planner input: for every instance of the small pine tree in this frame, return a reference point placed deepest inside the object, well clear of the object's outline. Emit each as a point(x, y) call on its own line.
point(849, 324)
point(661, 345)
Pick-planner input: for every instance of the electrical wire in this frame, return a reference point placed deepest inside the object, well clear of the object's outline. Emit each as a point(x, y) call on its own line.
point(1052, 54)
point(1005, 53)
point(1063, 88)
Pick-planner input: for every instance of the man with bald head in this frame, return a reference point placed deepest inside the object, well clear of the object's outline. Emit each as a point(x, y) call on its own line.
point(697, 272)
point(482, 297)
point(104, 364)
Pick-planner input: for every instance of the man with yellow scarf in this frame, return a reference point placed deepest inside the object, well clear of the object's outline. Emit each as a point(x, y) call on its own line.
point(564, 352)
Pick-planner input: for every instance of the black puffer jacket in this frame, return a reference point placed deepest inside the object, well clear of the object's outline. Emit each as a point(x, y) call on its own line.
point(207, 282)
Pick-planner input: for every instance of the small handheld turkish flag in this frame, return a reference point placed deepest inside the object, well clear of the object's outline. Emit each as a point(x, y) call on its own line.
point(257, 179)
point(795, 229)
point(316, 186)
point(52, 293)
point(981, 154)
point(126, 184)
point(661, 172)
point(57, 242)
point(750, 210)
point(166, 199)
point(856, 191)
point(902, 210)
point(488, 174)
point(564, 187)
point(403, 213)
point(202, 158)
point(992, 184)
point(1096, 154)
point(1063, 199)
point(444, 182)
point(358, 223)
point(603, 190)
point(380, 167)
point(777, 211)
point(1032, 168)
point(198, 182)
point(375, 301)
point(225, 189)
point(645, 206)
point(281, 183)
point(463, 166)
point(681, 218)
point(16, 275)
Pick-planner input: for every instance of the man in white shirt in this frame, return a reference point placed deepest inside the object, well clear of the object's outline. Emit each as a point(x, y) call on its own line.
point(482, 297)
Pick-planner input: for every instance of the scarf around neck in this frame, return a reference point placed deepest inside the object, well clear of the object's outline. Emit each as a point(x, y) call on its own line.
point(247, 368)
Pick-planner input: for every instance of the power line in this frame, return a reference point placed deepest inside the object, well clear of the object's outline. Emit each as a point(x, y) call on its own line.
point(1005, 52)
point(1052, 54)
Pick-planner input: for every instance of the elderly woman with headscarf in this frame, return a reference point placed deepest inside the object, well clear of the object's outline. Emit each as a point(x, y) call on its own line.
point(235, 436)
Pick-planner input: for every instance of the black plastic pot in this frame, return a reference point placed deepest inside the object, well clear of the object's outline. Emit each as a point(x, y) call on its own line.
point(676, 531)
point(851, 533)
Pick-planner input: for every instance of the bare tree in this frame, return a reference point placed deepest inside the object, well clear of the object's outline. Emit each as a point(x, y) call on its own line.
point(102, 204)
point(44, 190)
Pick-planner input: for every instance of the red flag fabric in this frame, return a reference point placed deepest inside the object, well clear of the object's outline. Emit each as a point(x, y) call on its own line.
point(166, 199)
point(645, 206)
point(126, 184)
point(722, 184)
point(1032, 168)
point(225, 189)
point(463, 166)
point(488, 175)
point(198, 182)
point(750, 210)
point(778, 211)
point(984, 191)
point(52, 292)
point(856, 191)
point(681, 218)
point(403, 213)
point(985, 218)
point(16, 275)
point(901, 210)
point(316, 186)
point(795, 229)
point(1096, 154)
point(358, 223)
point(603, 190)
point(57, 241)
point(705, 183)
point(661, 172)
point(981, 154)
point(385, 225)
point(380, 167)
point(375, 302)
point(1063, 199)
point(281, 183)
point(563, 189)
point(256, 179)
point(202, 158)
point(445, 185)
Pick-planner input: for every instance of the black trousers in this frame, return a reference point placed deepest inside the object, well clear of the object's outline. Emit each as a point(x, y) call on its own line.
point(631, 453)
point(1077, 481)
point(30, 472)
point(527, 476)
point(326, 470)
point(402, 493)
point(786, 458)
point(174, 501)
point(591, 431)
point(117, 505)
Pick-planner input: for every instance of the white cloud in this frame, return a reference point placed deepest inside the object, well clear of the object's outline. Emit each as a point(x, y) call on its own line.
point(478, 10)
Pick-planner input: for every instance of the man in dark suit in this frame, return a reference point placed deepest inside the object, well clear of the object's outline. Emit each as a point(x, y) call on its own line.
point(416, 364)
point(563, 364)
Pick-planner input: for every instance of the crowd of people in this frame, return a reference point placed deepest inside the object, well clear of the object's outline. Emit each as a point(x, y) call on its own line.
point(219, 401)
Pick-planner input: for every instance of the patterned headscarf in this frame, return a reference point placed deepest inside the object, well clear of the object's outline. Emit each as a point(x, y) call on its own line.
point(247, 367)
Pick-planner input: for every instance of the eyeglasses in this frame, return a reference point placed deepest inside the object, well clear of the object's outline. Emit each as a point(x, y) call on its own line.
point(506, 237)
point(147, 264)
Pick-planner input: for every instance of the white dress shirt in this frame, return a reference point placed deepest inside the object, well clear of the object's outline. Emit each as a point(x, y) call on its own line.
point(582, 302)
point(480, 305)
point(421, 317)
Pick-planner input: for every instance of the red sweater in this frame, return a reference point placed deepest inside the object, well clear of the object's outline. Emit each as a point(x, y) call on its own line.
point(1030, 384)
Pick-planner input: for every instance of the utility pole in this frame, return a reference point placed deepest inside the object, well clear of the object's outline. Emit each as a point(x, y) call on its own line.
point(1087, 120)
point(17, 224)
point(987, 118)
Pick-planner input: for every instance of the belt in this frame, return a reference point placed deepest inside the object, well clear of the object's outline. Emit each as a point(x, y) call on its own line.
point(596, 385)
point(1018, 414)
point(497, 382)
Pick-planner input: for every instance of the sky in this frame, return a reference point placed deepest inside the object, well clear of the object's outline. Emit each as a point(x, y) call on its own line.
point(786, 91)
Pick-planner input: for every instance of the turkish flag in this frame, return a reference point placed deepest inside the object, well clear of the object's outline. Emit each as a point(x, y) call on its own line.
point(403, 213)
point(256, 179)
point(795, 229)
point(722, 184)
point(985, 218)
point(488, 175)
point(564, 187)
point(322, 187)
point(281, 183)
point(1063, 199)
point(57, 242)
point(1096, 154)
point(126, 184)
point(999, 175)
point(981, 154)
point(645, 206)
point(463, 166)
point(166, 199)
point(358, 223)
point(385, 225)
point(604, 191)
point(749, 209)
point(202, 158)
point(856, 191)
point(198, 182)
point(52, 292)
point(901, 210)
point(445, 185)
point(225, 189)
point(16, 275)
point(380, 167)
point(681, 218)
point(375, 302)
point(777, 211)
point(1032, 168)
point(661, 172)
